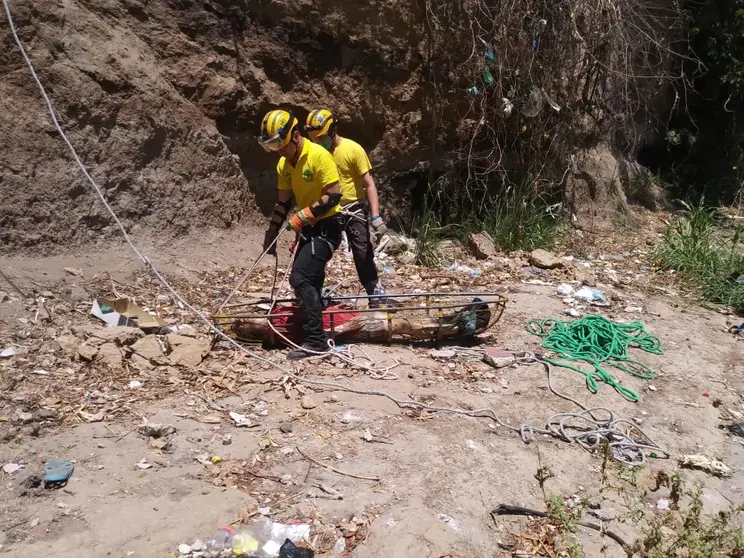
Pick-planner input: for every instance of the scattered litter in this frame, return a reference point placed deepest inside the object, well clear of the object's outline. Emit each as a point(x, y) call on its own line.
point(351, 416)
point(143, 464)
point(184, 549)
point(216, 460)
point(57, 472)
point(340, 547)
point(124, 312)
point(736, 429)
point(633, 309)
point(736, 330)
point(388, 270)
point(227, 439)
point(240, 420)
point(663, 504)
point(710, 465)
point(40, 372)
point(573, 312)
point(11, 468)
point(589, 295)
point(449, 521)
point(134, 384)
point(454, 266)
point(290, 550)
point(652, 387)
point(73, 271)
point(564, 289)
point(7, 353)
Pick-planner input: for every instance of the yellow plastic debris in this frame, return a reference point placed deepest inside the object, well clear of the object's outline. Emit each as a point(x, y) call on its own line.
point(216, 459)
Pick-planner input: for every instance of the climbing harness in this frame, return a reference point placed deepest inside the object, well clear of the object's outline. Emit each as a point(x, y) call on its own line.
point(600, 343)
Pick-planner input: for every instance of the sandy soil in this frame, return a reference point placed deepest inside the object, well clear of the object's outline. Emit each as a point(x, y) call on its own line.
point(439, 474)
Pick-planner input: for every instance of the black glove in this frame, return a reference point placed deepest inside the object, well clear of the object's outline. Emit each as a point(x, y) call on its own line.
point(269, 239)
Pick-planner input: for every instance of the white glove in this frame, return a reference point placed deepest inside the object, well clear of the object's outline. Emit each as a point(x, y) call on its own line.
point(379, 226)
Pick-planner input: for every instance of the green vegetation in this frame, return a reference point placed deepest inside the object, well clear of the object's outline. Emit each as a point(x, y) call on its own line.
point(697, 245)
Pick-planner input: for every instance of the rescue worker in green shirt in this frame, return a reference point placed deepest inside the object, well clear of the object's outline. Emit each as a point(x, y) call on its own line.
point(359, 197)
point(308, 172)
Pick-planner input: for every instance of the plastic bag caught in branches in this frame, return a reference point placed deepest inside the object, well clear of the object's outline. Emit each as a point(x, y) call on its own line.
point(533, 104)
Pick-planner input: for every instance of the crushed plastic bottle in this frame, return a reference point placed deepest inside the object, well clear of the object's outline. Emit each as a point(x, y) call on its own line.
point(220, 544)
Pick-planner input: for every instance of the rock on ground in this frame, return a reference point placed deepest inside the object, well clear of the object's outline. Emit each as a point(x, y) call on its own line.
point(186, 351)
point(148, 348)
point(87, 352)
point(481, 245)
point(544, 259)
point(110, 355)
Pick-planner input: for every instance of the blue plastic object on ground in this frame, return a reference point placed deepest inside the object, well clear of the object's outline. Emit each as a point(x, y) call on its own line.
point(57, 472)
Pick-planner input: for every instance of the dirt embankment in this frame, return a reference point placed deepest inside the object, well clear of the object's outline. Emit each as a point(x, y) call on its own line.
point(162, 100)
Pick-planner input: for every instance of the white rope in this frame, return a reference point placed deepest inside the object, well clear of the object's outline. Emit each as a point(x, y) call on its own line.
point(558, 426)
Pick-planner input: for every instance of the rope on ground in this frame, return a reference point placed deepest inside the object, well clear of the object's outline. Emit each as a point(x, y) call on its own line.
point(526, 431)
point(599, 342)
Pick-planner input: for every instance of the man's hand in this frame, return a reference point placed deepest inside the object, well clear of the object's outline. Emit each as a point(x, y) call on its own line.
point(300, 219)
point(269, 245)
point(379, 226)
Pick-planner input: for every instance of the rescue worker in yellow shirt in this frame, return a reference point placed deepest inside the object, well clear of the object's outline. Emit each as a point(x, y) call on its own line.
point(308, 172)
point(359, 197)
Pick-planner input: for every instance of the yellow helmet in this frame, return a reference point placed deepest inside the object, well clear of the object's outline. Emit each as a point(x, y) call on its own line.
point(319, 123)
point(276, 130)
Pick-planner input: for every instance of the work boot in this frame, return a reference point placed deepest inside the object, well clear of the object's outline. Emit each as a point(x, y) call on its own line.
point(308, 350)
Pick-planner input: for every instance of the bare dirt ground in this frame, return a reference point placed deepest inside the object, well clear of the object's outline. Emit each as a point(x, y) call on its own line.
point(439, 475)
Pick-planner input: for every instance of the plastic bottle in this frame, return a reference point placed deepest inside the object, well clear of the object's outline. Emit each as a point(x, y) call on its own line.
point(220, 544)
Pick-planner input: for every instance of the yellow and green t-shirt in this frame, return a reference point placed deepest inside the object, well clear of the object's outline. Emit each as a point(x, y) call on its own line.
point(353, 164)
point(314, 171)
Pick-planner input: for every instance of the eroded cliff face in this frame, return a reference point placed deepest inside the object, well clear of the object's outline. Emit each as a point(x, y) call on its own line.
point(163, 99)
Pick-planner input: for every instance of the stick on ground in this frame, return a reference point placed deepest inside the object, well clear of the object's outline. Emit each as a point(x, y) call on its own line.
point(337, 471)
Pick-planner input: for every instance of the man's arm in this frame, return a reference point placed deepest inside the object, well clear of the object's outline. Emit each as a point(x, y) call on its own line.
point(374, 205)
point(371, 188)
point(281, 208)
point(329, 199)
point(283, 203)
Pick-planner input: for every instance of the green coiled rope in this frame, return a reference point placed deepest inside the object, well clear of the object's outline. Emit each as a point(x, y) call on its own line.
point(601, 343)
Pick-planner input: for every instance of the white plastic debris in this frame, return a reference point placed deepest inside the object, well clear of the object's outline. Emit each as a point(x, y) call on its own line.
point(589, 295)
point(340, 547)
point(663, 504)
point(564, 289)
point(240, 420)
point(134, 384)
point(144, 464)
point(184, 549)
point(7, 353)
point(633, 309)
point(704, 463)
point(11, 468)
point(573, 312)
